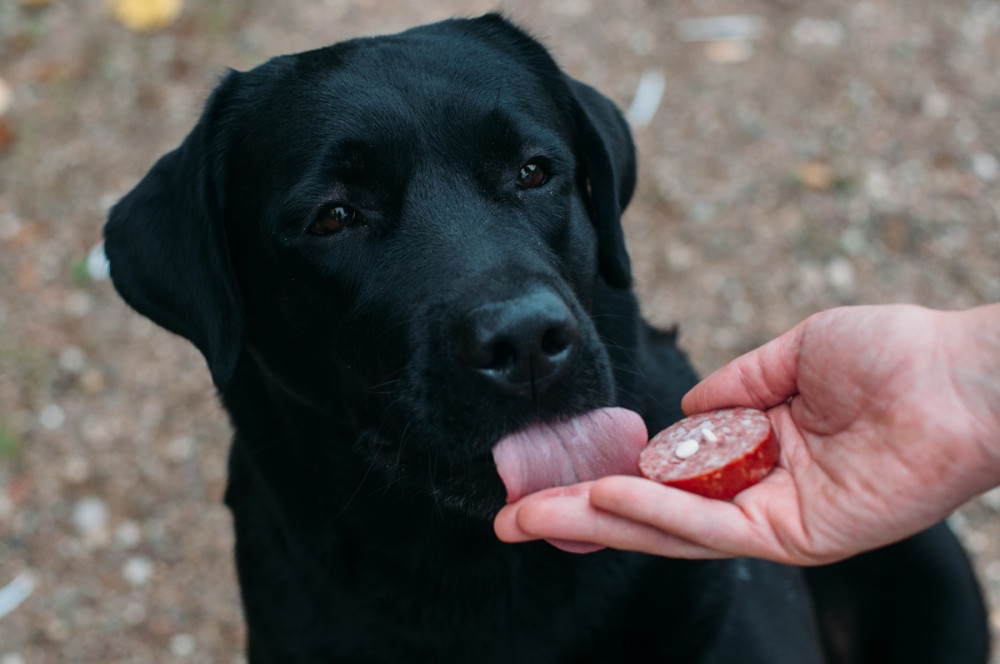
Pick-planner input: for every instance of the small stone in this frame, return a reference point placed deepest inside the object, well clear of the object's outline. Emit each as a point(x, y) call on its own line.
point(134, 613)
point(90, 518)
point(936, 105)
point(52, 417)
point(6, 97)
point(985, 166)
point(56, 630)
point(853, 241)
point(72, 359)
point(182, 645)
point(138, 570)
point(128, 535)
point(647, 98)
point(76, 470)
point(98, 266)
point(79, 304)
point(840, 274)
point(180, 449)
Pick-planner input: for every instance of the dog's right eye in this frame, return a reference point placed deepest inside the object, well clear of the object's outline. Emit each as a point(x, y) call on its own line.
point(531, 176)
point(335, 219)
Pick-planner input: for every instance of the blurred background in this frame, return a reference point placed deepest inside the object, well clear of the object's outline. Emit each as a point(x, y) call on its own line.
point(794, 156)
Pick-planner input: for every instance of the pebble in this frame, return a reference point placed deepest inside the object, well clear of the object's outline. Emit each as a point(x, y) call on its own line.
point(853, 241)
point(936, 105)
point(72, 359)
point(985, 166)
point(52, 417)
point(6, 97)
point(878, 186)
point(78, 304)
point(90, 518)
point(12, 658)
point(840, 274)
point(15, 592)
point(180, 448)
point(76, 469)
point(98, 266)
point(138, 570)
point(648, 95)
point(128, 535)
point(134, 613)
point(182, 645)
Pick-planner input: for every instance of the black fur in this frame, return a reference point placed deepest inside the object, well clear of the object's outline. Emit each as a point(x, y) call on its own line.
point(368, 372)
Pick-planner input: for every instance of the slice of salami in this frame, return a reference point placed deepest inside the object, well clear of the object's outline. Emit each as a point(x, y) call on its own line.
point(716, 454)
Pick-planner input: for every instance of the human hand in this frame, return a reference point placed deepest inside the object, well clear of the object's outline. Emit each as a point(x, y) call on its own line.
point(888, 418)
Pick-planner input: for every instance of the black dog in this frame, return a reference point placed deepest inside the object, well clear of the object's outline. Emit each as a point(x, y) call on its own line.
point(393, 252)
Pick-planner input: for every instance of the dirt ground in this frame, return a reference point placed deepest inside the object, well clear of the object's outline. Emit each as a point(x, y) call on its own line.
point(813, 155)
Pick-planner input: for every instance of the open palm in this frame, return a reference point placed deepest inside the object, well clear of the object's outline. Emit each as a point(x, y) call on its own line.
point(887, 417)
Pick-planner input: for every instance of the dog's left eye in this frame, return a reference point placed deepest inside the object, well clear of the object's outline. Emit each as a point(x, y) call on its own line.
point(334, 220)
point(531, 176)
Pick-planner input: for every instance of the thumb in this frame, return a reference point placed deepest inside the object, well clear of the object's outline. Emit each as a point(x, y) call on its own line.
point(762, 378)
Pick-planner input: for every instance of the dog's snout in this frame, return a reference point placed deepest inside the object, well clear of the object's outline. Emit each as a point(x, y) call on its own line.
point(521, 345)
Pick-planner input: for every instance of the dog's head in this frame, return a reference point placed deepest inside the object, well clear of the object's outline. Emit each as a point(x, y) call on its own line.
point(404, 233)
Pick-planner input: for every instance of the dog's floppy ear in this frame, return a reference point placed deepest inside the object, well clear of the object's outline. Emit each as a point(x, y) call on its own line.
point(166, 243)
point(605, 146)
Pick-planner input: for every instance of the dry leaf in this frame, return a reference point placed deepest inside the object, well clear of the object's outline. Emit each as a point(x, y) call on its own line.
point(6, 97)
point(146, 15)
point(728, 52)
point(816, 175)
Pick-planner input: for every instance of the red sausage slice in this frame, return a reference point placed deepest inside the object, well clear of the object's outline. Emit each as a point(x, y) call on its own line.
point(716, 454)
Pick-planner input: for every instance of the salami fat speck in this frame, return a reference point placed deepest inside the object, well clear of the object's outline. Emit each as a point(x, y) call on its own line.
point(716, 454)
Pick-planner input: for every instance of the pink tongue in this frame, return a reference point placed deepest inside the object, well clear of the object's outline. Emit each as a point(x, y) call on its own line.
point(602, 442)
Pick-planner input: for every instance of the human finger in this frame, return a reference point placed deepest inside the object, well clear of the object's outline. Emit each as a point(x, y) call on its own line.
point(761, 378)
point(569, 516)
point(730, 528)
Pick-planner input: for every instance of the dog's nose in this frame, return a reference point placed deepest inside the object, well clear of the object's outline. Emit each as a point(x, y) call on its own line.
point(522, 345)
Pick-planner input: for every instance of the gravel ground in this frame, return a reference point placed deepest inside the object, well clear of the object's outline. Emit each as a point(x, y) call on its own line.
point(813, 155)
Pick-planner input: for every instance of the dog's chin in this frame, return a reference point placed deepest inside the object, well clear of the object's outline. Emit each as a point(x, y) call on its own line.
point(470, 488)
point(479, 502)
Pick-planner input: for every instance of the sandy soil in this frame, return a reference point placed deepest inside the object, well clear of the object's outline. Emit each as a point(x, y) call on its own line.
point(831, 153)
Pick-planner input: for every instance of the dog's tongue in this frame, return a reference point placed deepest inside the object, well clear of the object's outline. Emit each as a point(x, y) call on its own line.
point(595, 444)
point(601, 442)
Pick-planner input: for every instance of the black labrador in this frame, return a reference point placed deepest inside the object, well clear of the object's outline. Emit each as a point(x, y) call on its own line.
point(394, 251)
